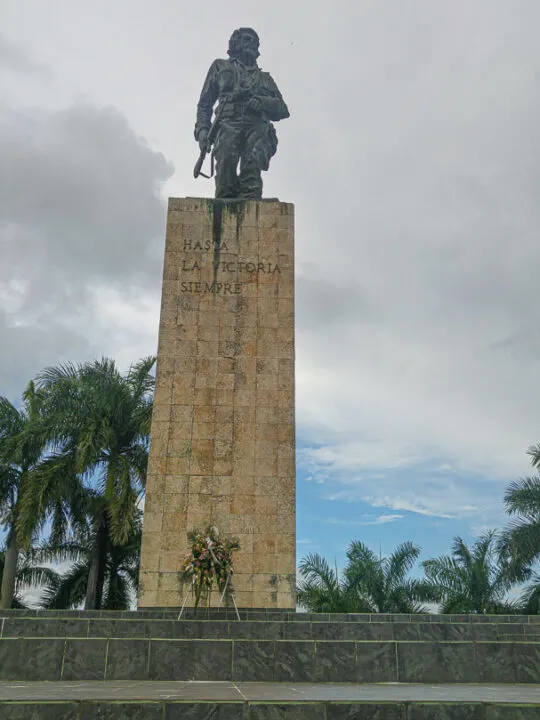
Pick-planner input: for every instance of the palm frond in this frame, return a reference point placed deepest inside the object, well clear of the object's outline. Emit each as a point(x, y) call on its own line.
point(117, 593)
point(522, 497)
point(68, 589)
point(534, 453)
point(400, 562)
point(317, 572)
point(520, 542)
point(34, 576)
point(139, 379)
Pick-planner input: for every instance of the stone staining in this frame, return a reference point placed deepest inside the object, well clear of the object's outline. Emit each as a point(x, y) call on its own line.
point(223, 437)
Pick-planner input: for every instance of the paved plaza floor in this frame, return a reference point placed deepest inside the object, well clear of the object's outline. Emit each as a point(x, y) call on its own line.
point(266, 692)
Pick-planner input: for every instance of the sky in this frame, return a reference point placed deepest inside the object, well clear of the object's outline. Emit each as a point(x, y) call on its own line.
point(412, 156)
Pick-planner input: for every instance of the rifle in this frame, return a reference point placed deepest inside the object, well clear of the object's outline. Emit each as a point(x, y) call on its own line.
point(197, 170)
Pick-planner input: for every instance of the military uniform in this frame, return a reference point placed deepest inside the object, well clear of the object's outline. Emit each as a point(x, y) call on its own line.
point(244, 136)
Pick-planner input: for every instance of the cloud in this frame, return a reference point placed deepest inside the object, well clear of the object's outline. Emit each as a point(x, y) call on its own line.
point(351, 473)
point(14, 58)
point(419, 507)
point(412, 154)
point(417, 339)
point(81, 236)
point(380, 520)
point(417, 303)
point(28, 348)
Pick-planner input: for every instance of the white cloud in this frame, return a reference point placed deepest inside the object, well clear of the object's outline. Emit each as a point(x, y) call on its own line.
point(379, 520)
point(419, 507)
point(81, 236)
point(15, 59)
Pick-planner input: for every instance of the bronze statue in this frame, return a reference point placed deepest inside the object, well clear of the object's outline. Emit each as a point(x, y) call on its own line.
point(242, 130)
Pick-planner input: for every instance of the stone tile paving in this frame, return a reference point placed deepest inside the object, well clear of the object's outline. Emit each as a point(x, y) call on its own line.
point(261, 616)
point(268, 692)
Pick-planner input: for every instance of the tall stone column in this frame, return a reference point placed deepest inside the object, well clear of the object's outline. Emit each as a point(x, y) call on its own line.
point(222, 448)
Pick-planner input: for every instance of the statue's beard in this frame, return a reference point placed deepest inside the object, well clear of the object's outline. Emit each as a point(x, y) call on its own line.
point(248, 54)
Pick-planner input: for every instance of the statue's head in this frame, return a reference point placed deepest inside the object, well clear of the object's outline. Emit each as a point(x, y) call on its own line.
point(244, 45)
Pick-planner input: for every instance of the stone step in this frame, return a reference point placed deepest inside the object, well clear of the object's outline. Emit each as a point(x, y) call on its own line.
point(244, 660)
point(51, 626)
point(265, 701)
point(277, 615)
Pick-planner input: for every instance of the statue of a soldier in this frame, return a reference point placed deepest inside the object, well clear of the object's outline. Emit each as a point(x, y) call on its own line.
point(242, 131)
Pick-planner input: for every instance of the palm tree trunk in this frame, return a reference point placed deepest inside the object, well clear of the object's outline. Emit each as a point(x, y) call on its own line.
point(10, 571)
point(96, 576)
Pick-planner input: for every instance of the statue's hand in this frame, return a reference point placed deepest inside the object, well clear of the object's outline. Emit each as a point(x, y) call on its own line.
point(254, 105)
point(203, 139)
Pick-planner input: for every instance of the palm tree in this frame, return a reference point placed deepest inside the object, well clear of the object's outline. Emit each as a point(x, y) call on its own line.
point(383, 582)
point(370, 584)
point(471, 580)
point(68, 589)
point(96, 423)
point(321, 589)
point(520, 541)
point(19, 456)
point(27, 575)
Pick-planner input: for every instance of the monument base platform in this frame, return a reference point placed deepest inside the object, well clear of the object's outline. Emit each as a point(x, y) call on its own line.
point(77, 665)
point(222, 447)
point(265, 701)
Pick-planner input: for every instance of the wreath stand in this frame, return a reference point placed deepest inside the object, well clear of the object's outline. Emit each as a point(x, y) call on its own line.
point(220, 600)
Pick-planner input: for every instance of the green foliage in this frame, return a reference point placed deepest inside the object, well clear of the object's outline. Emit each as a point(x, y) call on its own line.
point(20, 458)
point(28, 575)
point(96, 424)
point(383, 582)
point(471, 580)
point(370, 584)
point(20, 453)
point(68, 589)
point(520, 540)
point(322, 590)
point(79, 425)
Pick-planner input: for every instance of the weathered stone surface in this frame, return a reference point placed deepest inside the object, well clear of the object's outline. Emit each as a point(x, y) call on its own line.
point(253, 661)
point(437, 662)
point(348, 711)
point(208, 711)
point(351, 631)
point(45, 627)
point(441, 711)
point(123, 711)
point(127, 659)
point(84, 660)
point(335, 662)
point(308, 711)
point(376, 660)
point(39, 711)
point(512, 712)
point(31, 659)
point(294, 660)
point(223, 437)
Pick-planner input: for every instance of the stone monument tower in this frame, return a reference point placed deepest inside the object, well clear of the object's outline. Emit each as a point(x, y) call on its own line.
point(222, 448)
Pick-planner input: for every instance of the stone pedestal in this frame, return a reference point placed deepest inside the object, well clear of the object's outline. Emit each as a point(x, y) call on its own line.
point(222, 448)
